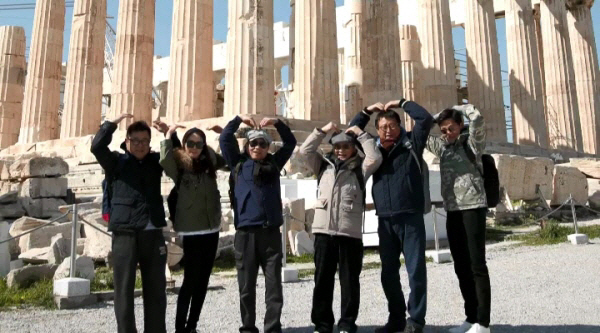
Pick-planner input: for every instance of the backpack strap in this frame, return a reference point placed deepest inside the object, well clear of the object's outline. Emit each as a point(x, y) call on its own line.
point(471, 156)
point(407, 143)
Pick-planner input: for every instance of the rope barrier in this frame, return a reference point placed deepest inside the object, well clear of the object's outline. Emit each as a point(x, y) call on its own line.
point(54, 220)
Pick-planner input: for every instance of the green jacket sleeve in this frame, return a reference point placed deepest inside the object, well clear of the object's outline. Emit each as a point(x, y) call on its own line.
point(167, 159)
point(435, 145)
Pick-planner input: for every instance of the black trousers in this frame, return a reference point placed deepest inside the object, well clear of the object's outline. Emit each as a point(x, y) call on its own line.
point(403, 233)
point(262, 247)
point(199, 255)
point(466, 235)
point(149, 250)
point(329, 252)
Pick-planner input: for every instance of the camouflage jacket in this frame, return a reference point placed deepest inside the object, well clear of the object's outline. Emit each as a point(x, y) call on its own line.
point(462, 183)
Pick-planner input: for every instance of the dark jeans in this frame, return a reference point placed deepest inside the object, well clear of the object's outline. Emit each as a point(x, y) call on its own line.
point(149, 250)
point(329, 252)
point(466, 235)
point(199, 255)
point(403, 233)
point(254, 247)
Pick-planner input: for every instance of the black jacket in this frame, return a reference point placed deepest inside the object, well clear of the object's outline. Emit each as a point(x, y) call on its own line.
point(397, 184)
point(136, 184)
point(256, 204)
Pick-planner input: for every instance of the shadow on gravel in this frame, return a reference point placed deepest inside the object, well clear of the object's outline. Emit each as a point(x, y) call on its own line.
point(495, 328)
point(525, 329)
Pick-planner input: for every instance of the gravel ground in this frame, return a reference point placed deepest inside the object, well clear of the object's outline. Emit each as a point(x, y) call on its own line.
point(550, 289)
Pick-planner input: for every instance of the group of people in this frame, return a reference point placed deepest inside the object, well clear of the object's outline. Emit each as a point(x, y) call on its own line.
point(393, 158)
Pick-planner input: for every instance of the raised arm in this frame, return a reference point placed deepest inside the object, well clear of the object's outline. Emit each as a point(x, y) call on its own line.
point(476, 127)
point(423, 122)
point(289, 142)
point(373, 157)
point(363, 117)
point(167, 159)
point(228, 143)
point(107, 159)
point(309, 150)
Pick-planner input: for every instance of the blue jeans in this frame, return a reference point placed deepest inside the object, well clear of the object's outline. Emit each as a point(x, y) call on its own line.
point(403, 233)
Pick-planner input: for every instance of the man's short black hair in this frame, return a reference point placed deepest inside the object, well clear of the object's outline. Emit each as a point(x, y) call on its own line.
point(455, 115)
point(138, 126)
point(389, 115)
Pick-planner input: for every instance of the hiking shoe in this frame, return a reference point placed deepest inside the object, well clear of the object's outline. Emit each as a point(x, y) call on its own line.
point(463, 328)
point(412, 329)
point(476, 328)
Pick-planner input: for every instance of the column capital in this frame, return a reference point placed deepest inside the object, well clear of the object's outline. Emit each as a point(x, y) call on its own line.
point(574, 4)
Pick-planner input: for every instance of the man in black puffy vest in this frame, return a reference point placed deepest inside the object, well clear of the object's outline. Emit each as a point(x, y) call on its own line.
point(399, 199)
point(136, 220)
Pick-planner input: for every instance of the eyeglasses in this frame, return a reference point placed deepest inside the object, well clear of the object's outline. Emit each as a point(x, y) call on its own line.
point(388, 128)
point(261, 143)
point(342, 146)
point(138, 142)
point(194, 144)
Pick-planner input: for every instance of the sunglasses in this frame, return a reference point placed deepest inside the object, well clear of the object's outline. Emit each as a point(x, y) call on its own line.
point(342, 146)
point(261, 143)
point(194, 144)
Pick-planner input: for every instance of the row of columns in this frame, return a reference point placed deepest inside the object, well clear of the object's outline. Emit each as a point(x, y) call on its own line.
point(562, 114)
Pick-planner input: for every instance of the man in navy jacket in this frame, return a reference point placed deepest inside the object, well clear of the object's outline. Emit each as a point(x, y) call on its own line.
point(258, 215)
point(398, 195)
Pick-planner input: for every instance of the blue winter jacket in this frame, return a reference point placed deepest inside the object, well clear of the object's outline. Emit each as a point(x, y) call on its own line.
point(254, 204)
point(398, 184)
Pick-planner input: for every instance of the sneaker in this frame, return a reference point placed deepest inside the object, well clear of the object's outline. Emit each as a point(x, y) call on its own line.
point(476, 328)
point(462, 328)
point(412, 329)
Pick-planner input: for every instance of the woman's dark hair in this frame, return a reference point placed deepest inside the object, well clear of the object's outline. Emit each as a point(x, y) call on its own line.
point(203, 163)
point(389, 114)
point(138, 126)
point(457, 116)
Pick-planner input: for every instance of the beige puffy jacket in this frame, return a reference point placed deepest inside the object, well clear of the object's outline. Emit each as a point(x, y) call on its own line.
point(340, 205)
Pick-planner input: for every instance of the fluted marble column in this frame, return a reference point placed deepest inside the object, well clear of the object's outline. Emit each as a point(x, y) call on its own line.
point(83, 85)
point(190, 77)
point(382, 75)
point(316, 87)
point(562, 111)
point(585, 58)
point(134, 55)
point(483, 66)
point(44, 72)
point(250, 59)
point(410, 58)
point(526, 95)
point(12, 80)
point(351, 75)
point(437, 55)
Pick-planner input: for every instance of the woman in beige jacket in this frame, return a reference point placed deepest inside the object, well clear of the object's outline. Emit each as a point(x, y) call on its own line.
point(338, 220)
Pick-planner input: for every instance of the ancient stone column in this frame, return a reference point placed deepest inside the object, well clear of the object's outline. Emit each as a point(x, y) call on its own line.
point(585, 58)
point(12, 80)
point(382, 75)
point(250, 59)
point(292, 39)
point(352, 74)
point(483, 66)
point(191, 61)
point(437, 55)
point(83, 85)
point(44, 72)
point(316, 87)
point(410, 59)
point(562, 112)
point(526, 95)
point(134, 55)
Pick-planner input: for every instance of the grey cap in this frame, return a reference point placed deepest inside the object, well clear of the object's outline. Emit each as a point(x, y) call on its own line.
point(343, 137)
point(259, 134)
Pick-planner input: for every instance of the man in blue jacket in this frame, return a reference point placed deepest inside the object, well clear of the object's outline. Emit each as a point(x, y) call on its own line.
point(256, 196)
point(398, 195)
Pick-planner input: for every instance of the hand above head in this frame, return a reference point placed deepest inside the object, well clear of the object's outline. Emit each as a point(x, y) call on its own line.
point(215, 128)
point(160, 126)
point(173, 129)
point(121, 117)
point(392, 104)
point(462, 108)
point(268, 122)
point(354, 130)
point(248, 121)
point(377, 107)
point(329, 127)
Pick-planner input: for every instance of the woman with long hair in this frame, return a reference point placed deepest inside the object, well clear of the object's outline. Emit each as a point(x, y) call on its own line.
point(197, 217)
